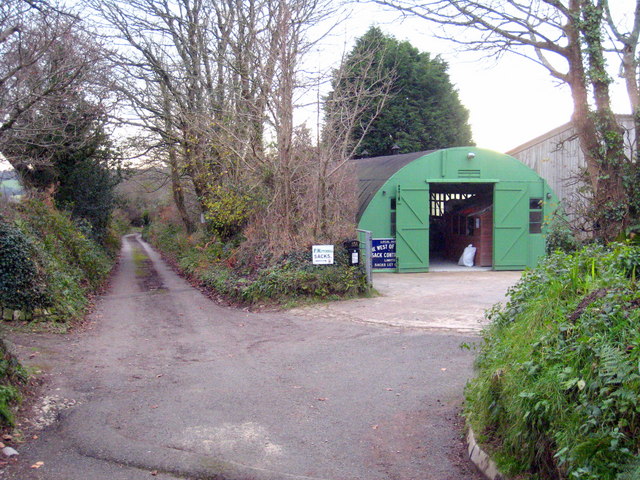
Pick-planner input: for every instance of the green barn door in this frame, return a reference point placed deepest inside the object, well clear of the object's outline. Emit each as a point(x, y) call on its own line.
point(412, 229)
point(511, 226)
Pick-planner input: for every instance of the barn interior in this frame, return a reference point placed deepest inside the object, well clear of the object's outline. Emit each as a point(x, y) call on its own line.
point(460, 214)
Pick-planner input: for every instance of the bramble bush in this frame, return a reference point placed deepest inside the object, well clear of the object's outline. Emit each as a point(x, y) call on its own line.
point(557, 391)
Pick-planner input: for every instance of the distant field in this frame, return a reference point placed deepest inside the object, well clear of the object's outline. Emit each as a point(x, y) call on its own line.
point(10, 186)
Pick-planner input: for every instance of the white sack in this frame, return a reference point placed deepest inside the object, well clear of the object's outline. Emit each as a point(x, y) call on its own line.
point(467, 256)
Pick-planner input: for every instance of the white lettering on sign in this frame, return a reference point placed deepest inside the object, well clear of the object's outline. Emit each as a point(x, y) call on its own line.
point(322, 254)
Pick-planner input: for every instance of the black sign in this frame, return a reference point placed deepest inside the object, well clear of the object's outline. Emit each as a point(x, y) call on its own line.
point(383, 253)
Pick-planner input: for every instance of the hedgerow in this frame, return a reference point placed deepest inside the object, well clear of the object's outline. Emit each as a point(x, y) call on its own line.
point(22, 284)
point(557, 391)
point(47, 264)
point(255, 279)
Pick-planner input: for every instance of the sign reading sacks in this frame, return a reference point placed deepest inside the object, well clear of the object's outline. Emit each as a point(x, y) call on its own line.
point(322, 254)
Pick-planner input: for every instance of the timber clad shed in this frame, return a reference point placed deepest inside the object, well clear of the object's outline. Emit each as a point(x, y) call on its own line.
point(430, 205)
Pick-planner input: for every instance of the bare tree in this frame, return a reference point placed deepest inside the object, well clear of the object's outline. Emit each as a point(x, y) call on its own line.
point(570, 39)
point(48, 62)
point(361, 86)
point(214, 82)
point(193, 84)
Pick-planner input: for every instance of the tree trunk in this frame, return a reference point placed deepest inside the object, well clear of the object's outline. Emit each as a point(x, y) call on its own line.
point(178, 193)
point(601, 139)
point(176, 183)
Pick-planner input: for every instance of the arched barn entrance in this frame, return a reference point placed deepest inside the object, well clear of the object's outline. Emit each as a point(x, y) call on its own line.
point(429, 206)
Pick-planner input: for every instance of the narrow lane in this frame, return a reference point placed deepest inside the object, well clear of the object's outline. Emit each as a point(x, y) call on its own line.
point(167, 382)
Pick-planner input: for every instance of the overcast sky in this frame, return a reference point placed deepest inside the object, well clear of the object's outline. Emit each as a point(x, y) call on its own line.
point(510, 101)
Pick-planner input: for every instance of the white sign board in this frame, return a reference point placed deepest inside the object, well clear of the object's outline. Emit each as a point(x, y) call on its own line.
point(322, 254)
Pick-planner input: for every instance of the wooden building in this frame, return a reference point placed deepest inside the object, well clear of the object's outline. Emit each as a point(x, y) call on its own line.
point(556, 156)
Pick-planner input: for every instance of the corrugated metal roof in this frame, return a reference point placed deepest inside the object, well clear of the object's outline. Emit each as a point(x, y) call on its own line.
point(375, 171)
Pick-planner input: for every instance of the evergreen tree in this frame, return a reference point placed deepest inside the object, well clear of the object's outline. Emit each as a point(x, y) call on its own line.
point(423, 111)
point(66, 151)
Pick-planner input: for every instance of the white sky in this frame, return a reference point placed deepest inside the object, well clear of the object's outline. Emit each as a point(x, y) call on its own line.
point(510, 101)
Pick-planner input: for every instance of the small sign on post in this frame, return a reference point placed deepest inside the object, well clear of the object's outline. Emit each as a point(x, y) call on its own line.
point(322, 254)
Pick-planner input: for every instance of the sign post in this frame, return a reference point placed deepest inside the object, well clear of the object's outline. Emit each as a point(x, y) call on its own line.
point(322, 254)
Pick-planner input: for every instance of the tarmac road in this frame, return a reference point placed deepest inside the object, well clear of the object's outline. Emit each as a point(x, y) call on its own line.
point(165, 384)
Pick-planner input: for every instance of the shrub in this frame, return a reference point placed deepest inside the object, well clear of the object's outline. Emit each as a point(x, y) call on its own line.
point(557, 393)
point(254, 279)
point(559, 235)
point(11, 376)
point(22, 285)
point(227, 211)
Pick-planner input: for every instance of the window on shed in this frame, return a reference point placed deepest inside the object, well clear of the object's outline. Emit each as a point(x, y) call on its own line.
point(535, 215)
point(471, 224)
point(393, 216)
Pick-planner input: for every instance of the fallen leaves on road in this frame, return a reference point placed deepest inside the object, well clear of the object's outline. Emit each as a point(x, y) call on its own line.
point(37, 465)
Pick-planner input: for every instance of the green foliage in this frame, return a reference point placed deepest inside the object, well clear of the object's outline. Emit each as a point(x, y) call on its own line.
point(12, 375)
point(424, 111)
point(559, 235)
point(22, 285)
point(557, 394)
point(119, 225)
point(88, 193)
point(289, 278)
point(227, 211)
point(294, 276)
point(65, 148)
point(64, 242)
point(49, 262)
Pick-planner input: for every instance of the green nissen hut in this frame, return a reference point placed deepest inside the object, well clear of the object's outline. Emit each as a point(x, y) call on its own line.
point(428, 206)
